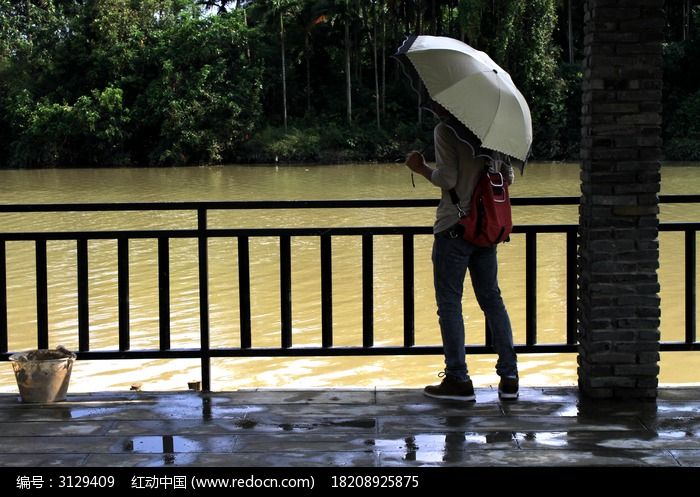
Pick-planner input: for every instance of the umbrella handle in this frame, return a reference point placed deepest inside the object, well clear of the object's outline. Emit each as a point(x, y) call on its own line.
point(422, 152)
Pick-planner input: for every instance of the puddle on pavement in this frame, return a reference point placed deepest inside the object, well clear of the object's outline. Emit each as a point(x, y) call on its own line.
point(444, 443)
point(169, 444)
point(549, 439)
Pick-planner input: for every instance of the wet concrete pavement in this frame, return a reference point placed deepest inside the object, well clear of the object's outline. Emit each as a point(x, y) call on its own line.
point(339, 427)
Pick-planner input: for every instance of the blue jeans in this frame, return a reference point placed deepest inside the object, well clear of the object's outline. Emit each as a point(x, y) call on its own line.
point(451, 258)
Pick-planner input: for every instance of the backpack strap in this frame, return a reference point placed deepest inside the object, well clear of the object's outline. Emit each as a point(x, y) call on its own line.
point(455, 200)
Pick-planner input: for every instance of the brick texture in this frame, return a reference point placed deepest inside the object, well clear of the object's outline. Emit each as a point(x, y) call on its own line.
point(618, 302)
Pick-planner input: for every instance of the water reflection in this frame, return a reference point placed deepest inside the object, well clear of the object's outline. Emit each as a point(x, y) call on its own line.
point(454, 447)
point(174, 449)
point(453, 441)
point(449, 447)
point(164, 444)
point(206, 409)
point(411, 448)
point(173, 444)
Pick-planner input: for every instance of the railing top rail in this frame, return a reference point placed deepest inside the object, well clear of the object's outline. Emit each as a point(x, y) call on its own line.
point(679, 199)
point(261, 204)
point(293, 204)
point(307, 231)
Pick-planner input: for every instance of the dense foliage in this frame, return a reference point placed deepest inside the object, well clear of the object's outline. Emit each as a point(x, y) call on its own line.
point(682, 93)
point(166, 82)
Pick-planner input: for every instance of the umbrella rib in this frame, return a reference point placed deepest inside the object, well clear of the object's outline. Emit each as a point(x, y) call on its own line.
point(500, 98)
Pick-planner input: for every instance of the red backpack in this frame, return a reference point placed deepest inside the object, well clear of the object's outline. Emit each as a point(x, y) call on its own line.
point(489, 220)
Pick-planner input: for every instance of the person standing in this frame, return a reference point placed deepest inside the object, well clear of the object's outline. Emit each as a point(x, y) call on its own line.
point(459, 166)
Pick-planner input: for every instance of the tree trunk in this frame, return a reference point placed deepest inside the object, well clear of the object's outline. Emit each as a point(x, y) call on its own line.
point(247, 42)
point(284, 74)
point(419, 18)
point(376, 75)
point(383, 47)
point(570, 35)
point(307, 56)
point(406, 19)
point(348, 83)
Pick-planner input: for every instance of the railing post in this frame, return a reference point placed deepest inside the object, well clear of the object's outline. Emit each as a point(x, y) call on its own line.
point(83, 296)
point(3, 298)
point(690, 287)
point(164, 293)
point(326, 292)
point(367, 291)
point(409, 319)
point(42, 297)
point(286, 290)
point(530, 288)
point(123, 292)
point(571, 254)
point(203, 252)
point(244, 291)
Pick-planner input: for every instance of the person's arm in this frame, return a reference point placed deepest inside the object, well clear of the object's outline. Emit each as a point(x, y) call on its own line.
point(446, 158)
point(444, 175)
point(416, 163)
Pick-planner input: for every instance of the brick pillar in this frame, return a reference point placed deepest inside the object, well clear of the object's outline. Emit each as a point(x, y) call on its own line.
point(618, 302)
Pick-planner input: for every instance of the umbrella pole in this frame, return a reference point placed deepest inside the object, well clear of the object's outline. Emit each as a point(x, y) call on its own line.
point(422, 152)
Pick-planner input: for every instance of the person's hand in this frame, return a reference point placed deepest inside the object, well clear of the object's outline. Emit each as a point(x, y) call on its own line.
point(415, 161)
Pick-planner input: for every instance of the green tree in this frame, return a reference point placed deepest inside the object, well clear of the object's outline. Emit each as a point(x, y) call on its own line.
point(90, 131)
point(206, 98)
point(524, 46)
point(120, 81)
point(681, 93)
point(189, 81)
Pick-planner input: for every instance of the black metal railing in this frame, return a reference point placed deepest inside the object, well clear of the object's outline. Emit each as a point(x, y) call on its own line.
point(202, 233)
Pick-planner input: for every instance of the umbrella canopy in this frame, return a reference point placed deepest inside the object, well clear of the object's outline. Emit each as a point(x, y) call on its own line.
point(474, 89)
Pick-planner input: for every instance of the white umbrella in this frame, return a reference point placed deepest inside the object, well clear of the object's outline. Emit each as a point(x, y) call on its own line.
point(474, 89)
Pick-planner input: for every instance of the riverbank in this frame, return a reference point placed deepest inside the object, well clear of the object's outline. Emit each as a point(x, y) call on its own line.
point(329, 143)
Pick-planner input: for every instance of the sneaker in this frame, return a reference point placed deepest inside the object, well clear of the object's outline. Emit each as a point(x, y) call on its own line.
point(451, 389)
point(508, 388)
